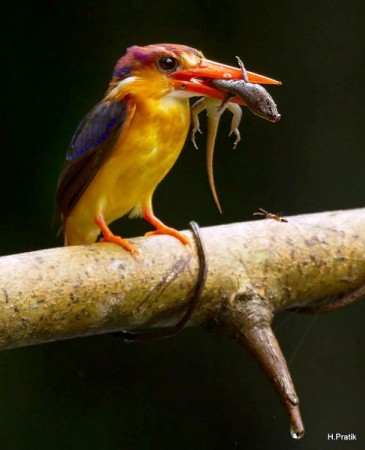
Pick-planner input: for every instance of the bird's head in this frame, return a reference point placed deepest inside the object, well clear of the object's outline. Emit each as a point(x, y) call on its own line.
point(160, 70)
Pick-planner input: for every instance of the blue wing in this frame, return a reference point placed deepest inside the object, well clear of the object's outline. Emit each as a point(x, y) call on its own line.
point(96, 128)
point(90, 146)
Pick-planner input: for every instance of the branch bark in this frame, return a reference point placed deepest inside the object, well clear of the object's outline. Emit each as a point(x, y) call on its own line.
point(254, 269)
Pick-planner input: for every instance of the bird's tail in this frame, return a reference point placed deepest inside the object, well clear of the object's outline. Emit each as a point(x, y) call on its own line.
point(75, 235)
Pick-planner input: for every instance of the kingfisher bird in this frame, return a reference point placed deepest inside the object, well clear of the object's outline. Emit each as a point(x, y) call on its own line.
point(129, 141)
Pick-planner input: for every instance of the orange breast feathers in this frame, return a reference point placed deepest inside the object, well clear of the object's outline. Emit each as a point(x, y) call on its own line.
point(142, 155)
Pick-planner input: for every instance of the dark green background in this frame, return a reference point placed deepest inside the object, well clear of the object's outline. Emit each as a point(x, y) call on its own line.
point(195, 391)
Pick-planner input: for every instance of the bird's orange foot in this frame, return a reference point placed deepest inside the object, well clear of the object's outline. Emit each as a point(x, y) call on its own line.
point(108, 236)
point(120, 241)
point(161, 228)
point(171, 232)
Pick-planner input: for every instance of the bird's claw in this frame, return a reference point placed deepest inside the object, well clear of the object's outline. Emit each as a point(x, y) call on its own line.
point(122, 242)
point(171, 232)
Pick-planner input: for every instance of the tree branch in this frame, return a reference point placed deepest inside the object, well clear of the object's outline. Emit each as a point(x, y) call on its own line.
point(254, 269)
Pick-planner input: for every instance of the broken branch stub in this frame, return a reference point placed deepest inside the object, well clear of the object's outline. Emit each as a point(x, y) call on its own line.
point(254, 269)
point(248, 319)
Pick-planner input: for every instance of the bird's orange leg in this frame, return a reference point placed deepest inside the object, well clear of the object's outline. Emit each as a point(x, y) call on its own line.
point(108, 236)
point(161, 228)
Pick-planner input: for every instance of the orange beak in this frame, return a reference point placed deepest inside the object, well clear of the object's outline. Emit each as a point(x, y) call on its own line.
point(198, 79)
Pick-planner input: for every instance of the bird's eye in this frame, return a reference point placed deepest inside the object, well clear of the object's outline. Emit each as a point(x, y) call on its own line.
point(167, 64)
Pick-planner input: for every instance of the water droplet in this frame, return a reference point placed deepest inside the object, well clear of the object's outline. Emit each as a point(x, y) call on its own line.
point(296, 434)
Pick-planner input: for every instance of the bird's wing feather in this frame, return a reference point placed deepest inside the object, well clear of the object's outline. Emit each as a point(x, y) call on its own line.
point(90, 146)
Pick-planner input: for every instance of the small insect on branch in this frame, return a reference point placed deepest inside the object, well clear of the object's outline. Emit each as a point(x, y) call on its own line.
point(268, 215)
